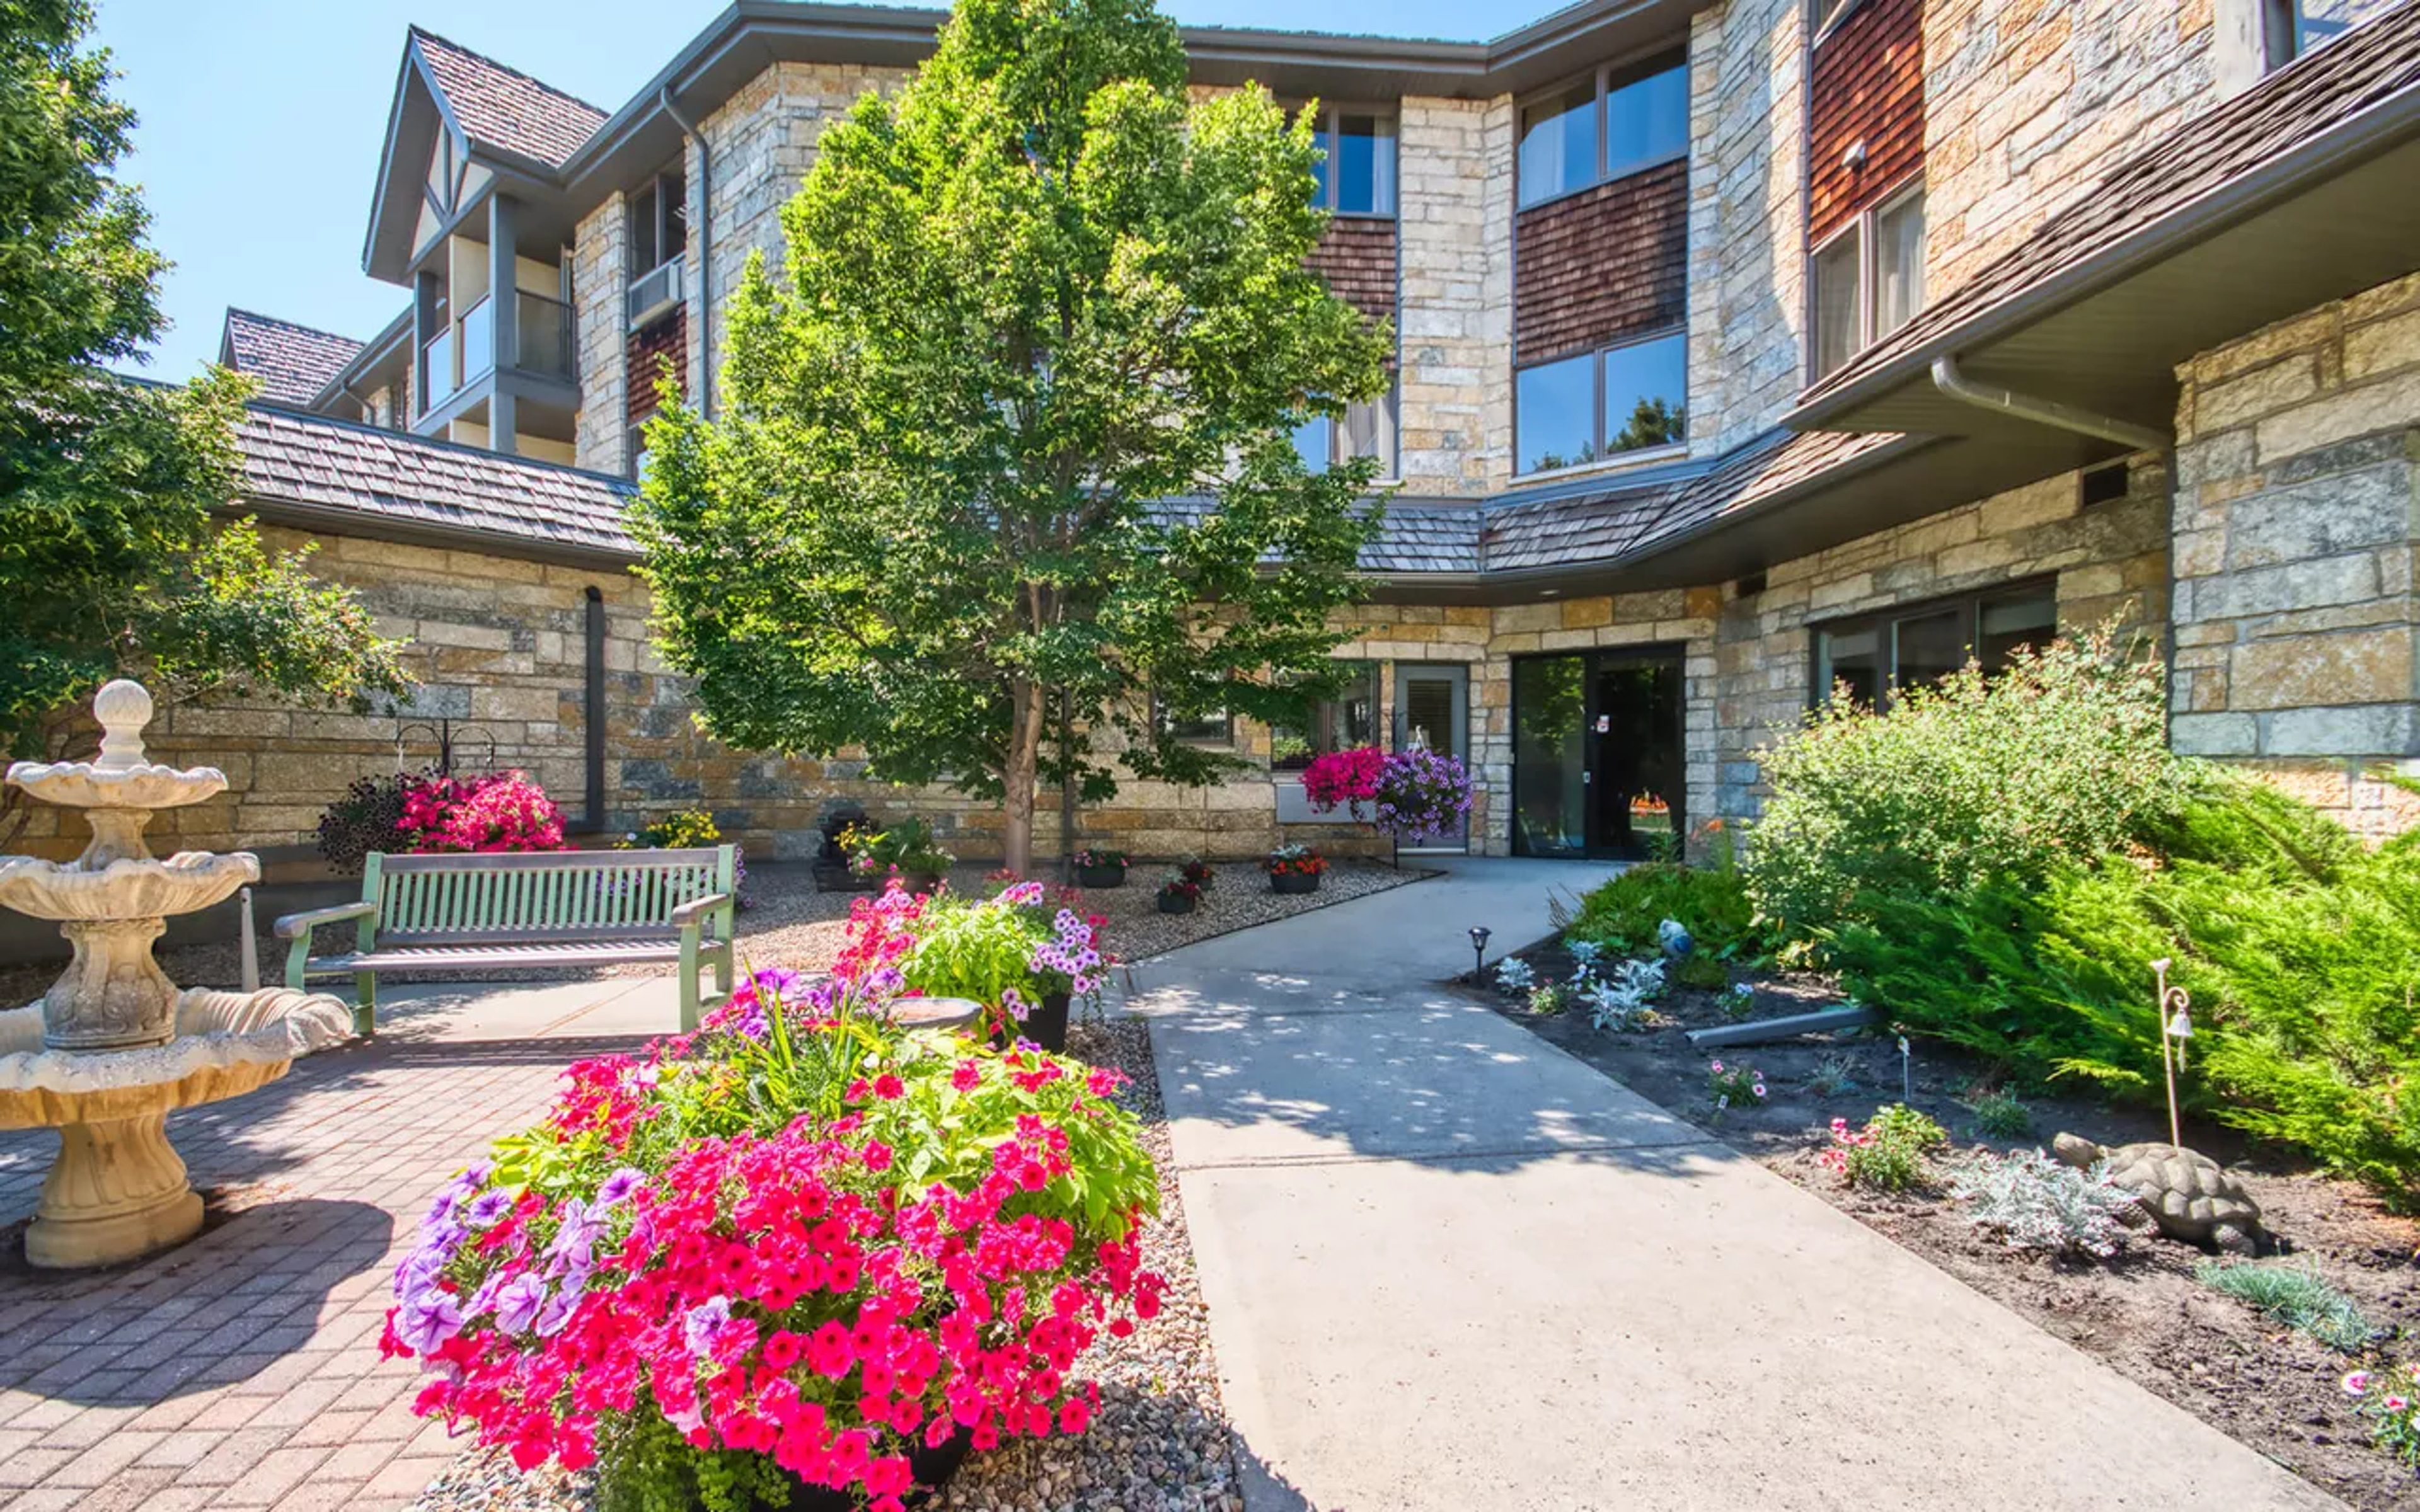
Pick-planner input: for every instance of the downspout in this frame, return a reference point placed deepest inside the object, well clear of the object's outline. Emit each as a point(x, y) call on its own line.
point(704, 220)
point(1950, 381)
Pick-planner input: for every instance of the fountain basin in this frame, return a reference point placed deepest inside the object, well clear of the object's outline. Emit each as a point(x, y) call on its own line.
point(118, 1190)
point(91, 785)
point(185, 882)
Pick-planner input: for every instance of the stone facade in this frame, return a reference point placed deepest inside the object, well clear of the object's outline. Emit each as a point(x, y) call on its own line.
point(1747, 239)
point(1454, 325)
point(600, 275)
point(2298, 500)
point(2028, 104)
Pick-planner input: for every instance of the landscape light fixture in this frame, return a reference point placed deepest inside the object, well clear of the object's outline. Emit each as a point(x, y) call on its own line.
point(1479, 933)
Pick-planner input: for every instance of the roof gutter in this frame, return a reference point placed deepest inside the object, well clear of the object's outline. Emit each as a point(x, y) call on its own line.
point(702, 219)
point(2058, 416)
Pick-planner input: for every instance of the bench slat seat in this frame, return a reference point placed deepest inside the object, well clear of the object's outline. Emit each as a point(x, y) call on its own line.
point(554, 908)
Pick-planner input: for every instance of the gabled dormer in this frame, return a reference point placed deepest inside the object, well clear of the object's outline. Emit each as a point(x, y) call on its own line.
point(470, 214)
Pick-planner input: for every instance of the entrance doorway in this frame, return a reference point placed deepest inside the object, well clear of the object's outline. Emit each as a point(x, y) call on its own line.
point(1597, 754)
point(1433, 713)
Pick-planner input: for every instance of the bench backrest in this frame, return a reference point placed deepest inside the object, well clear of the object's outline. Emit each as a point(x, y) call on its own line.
point(543, 896)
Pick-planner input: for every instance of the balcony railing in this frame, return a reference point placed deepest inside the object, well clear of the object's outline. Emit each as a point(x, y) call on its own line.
point(546, 331)
point(478, 339)
point(437, 362)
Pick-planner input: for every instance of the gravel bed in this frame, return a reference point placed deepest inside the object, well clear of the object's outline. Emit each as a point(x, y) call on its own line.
point(788, 922)
point(1160, 1443)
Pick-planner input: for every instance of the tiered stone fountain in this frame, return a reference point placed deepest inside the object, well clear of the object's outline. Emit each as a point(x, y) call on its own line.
point(114, 1046)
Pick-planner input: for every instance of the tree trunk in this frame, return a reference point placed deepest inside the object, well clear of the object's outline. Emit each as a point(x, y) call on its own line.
point(1018, 776)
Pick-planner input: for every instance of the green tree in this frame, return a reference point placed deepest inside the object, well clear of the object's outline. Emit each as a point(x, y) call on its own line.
point(1007, 455)
point(1653, 421)
point(110, 562)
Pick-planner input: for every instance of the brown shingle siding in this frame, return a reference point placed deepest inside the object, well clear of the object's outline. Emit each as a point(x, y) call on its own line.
point(1606, 263)
point(1867, 86)
point(667, 340)
point(1357, 256)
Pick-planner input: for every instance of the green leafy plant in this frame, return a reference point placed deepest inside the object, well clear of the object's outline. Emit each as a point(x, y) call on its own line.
point(1025, 299)
point(2033, 1202)
point(2060, 756)
point(1889, 1154)
point(1833, 1075)
point(2295, 1295)
point(1100, 857)
point(1730, 1085)
point(907, 846)
point(681, 830)
point(1702, 971)
point(1621, 916)
point(1999, 1114)
point(2391, 1400)
point(1738, 1000)
point(1178, 884)
point(1550, 997)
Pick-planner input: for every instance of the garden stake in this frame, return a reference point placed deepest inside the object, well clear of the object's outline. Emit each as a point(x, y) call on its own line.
point(2173, 1000)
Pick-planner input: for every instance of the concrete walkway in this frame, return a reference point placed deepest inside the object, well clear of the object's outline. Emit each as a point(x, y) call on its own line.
point(1450, 1268)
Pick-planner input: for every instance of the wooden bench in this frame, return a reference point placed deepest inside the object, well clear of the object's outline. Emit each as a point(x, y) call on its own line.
point(552, 908)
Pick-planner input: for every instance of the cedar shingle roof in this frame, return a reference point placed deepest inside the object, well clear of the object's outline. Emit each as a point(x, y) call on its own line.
point(399, 480)
point(2319, 91)
point(505, 108)
point(293, 363)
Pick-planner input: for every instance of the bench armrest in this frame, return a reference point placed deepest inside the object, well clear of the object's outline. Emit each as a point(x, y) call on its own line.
point(299, 926)
point(697, 908)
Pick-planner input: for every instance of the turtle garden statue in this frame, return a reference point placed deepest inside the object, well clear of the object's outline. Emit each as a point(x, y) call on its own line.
point(2188, 1194)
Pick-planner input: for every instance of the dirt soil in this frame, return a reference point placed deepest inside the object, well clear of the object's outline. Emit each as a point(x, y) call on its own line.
point(2142, 1313)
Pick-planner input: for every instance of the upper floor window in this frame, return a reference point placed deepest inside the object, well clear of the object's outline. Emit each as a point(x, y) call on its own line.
point(2292, 27)
point(659, 223)
point(1875, 658)
point(1357, 175)
point(1868, 280)
point(1600, 404)
point(1614, 123)
point(1368, 429)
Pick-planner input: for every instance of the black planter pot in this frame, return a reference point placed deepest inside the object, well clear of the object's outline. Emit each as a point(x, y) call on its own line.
point(1046, 1025)
point(1176, 903)
point(839, 877)
point(1292, 882)
point(932, 1469)
point(1100, 876)
point(922, 884)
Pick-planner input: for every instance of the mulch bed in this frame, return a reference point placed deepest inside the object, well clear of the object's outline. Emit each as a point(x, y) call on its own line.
point(1160, 1443)
point(2142, 1313)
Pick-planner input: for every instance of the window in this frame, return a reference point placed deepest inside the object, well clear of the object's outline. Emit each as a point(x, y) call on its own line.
point(2293, 27)
point(659, 223)
point(1357, 177)
point(1214, 728)
point(1600, 404)
point(1368, 429)
point(1871, 657)
point(1345, 722)
point(1869, 281)
point(1825, 16)
point(1609, 125)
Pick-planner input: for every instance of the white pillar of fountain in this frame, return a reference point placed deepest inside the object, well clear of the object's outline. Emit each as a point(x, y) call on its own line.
point(119, 1046)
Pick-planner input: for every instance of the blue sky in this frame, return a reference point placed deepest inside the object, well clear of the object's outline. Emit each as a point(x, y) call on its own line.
point(261, 119)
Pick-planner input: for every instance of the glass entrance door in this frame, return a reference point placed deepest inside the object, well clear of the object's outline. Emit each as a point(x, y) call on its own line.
point(1597, 754)
point(1433, 713)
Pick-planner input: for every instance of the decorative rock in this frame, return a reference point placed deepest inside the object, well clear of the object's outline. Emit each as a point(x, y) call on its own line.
point(2188, 1194)
point(1674, 936)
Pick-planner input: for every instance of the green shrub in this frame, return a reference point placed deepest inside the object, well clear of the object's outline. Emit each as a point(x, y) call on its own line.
point(2000, 1114)
point(1888, 1153)
point(2302, 960)
point(1699, 969)
point(2061, 756)
point(1620, 915)
point(2296, 1296)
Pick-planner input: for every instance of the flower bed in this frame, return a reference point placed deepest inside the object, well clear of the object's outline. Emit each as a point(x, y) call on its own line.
point(797, 1247)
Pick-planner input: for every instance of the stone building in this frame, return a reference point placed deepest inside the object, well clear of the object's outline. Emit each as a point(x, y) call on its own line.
point(1745, 349)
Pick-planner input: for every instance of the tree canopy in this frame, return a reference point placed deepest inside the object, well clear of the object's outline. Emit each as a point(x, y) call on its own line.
point(110, 560)
point(1008, 442)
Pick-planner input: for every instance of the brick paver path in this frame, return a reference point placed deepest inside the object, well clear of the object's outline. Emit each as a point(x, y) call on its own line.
point(241, 1369)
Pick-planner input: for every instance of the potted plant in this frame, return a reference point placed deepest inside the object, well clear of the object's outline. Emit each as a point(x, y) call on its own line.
point(833, 1163)
point(1179, 893)
point(841, 834)
point(1097, 866)
point(1021, 959)
point(907, 851)
point(1293, 868)
point(1200, 873)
